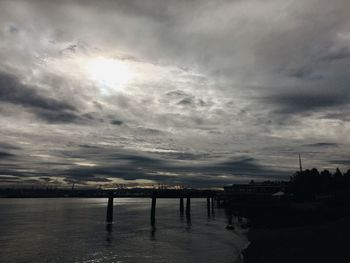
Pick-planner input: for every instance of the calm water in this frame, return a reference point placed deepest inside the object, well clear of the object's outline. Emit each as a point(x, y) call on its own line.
point(74, 230)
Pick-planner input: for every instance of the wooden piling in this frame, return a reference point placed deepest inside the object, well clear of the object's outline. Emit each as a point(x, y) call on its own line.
point(212, 204)
point(208, 205)
point(153, 211)
point(181, 205)
point(188, 207)
point(110, 209)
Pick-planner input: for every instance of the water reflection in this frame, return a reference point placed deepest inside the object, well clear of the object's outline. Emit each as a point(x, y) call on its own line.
point(153, 233)
point(229, 216)
point(39, 229)
point(109, 230)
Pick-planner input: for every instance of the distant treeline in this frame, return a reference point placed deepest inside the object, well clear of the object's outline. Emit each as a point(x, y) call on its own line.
point(309, 183)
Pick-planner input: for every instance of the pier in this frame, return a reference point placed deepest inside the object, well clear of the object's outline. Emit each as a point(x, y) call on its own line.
point(180, 194)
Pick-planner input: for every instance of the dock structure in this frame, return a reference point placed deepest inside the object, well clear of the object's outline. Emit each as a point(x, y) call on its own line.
point(167, 194)
point(188, 207)
point(153, 211)
point(109, 217)
point(208, 206)
point(181, 206)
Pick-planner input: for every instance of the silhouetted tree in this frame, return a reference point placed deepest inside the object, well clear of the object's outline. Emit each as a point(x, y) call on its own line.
point(338, 180)
point(338, 173)
point(326, 181)
point(308, 183)
point(346, 178)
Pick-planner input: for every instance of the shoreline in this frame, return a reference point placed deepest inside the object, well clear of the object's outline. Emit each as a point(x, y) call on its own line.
point(321, 242)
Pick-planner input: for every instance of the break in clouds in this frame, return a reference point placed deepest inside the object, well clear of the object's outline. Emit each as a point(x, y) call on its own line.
point(201, 93)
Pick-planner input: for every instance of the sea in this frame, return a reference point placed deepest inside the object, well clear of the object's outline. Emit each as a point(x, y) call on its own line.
point(75, 230)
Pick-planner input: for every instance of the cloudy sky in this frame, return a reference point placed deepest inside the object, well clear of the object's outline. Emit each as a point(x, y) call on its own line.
point(194, 92)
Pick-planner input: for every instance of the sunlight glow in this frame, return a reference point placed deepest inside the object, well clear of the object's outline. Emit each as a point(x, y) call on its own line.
point(110, 74)
point(87, 164)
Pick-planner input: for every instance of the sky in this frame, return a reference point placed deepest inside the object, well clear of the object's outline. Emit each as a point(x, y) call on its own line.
point(190, 92)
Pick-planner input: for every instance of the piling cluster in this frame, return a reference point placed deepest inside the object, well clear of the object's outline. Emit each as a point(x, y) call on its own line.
point(179, 195)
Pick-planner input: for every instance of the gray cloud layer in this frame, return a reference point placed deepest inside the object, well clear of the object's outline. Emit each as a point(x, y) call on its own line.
point(224, 91)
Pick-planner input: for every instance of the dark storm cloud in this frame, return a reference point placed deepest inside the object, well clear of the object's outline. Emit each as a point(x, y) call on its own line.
point(186, 101)
point(49, 109)
point(337, 54)
point(176, 94)
point(13, 29)
point(325, 57)
point(71, 48)
point(12, 180)
point(186, 156)
point(8, 146)
point(117, 122)
point(302, 73)
point(299, 102)
point(13, 171)
point(250, 167)
point(57, 116)
point(171, 171)
point(4, 155)
point(322, 144)
point(118, 165)
point(341, 162)
point(12, 91)
point(88, 146)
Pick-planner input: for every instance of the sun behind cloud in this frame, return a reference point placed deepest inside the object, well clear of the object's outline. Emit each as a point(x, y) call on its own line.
point(109, 74)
